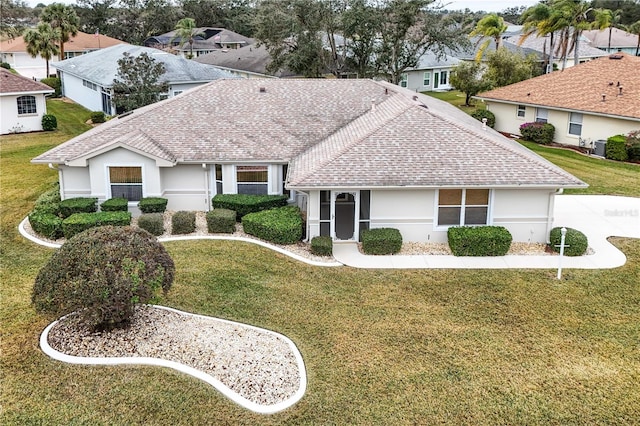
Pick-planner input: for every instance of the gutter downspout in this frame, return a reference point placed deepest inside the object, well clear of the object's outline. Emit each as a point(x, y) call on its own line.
point(60, 181)
point(550, 217)
point(207, 194)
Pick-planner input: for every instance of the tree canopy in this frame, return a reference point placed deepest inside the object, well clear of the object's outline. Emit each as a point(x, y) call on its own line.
point(138, 82)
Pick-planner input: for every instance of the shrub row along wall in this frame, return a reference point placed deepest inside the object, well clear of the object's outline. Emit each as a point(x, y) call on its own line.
point(281, 226)
point(479, 240)
point(244, 204)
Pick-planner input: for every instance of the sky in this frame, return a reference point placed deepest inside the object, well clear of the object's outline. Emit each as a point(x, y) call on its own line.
point(474, 5)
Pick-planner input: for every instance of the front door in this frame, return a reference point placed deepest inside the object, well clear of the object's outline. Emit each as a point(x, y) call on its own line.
point(344, 215)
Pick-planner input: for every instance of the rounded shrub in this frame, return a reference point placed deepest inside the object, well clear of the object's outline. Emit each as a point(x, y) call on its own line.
point(49, 122)
point(576, 242)
point(221, 221)
point(115, 205)
point(537, 132)
point(322, 245)
point(153, 205)
point(479, 240)
point(183, 222)
point(616, 148)
point(381, 241)
point(479, 114)
point(46, 224)
point(101, 274)
point(5, 65)
point(97, 117)
point(281, 226)
point(152, 223)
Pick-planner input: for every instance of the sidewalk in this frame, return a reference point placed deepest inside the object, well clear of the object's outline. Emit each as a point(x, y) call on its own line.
point(597, 216)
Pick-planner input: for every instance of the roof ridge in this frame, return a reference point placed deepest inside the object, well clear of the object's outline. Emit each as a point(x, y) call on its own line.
point(384, 110)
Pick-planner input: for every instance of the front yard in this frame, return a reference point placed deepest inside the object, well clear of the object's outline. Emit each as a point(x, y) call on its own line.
point(380, 346)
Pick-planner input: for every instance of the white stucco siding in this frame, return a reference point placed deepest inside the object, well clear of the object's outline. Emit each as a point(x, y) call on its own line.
point(74, 89)
point(74, 182)
point(594, 127)
point(409, 211)
point(525, 213)
point(185, 186)
point(11, 122)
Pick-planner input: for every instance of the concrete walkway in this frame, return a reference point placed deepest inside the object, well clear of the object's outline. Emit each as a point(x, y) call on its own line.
point(597, 216)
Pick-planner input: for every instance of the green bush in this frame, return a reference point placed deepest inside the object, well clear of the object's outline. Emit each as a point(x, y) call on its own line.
point(576, 242)
point(221, 221)
point(479, 114)
point(49, 122)
point(77, 205)
point(322, 245)
point(101, 274)
point(152, 223)
point(97, 117)
point(244, 204)
point(115, 205)
point(281, 225)
point(479, 240)
point(79, 222)
point(55, 84)
point(616, 148)
point(183, 222)
point(633, 146)
point(48, 201)
point(152, 205)
point(5, 65)
point(541, 133)
point(46, 224)
point(381, 241)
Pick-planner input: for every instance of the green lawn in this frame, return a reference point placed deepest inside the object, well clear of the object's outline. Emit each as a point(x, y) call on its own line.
point(457, 98)
point(381, 347)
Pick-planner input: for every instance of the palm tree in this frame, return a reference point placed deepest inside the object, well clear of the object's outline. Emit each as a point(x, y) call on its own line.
point(186, 31)
point(539, 20)
point(607, 18)
point(63, 18)
point(42, 41)
point(635, 29)
point(491, 26)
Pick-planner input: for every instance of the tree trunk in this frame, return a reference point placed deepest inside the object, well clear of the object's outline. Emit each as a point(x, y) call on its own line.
point(609, 45)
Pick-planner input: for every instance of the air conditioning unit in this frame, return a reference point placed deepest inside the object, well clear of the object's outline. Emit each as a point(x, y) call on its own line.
point(599, 148)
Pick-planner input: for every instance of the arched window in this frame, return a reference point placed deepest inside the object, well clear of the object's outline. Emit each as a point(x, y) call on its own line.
point(26, 105)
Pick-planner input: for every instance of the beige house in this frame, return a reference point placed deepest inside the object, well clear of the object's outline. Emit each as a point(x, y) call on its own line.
point(586, 103)
point(353, 154)
point(22, 103)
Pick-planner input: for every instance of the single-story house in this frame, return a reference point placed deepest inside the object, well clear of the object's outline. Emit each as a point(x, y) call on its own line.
point(22, 103)
point(88, 79)
point(433, 72)
point(206, 40)
point(621, 41)
point(245, 62)
point(14, 52)
point(353, 154)
point(585, 103)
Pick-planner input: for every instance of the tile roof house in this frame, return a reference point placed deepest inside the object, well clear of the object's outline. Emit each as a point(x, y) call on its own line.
point(14, 52)
point(206, 41)
point(431, 73)
point(585, 103)
point(353, 154)
point(621, 41)
point(88, 79)
point(22, 103)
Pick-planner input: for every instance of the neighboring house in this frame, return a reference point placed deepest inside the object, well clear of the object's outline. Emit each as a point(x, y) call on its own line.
point(88, 79)
point(245, 62)
point(22, 103)
point(585, 103)
point(14, 52)
point(353, 154)
point(621, 41)
point(431, 73)
point(206, 41)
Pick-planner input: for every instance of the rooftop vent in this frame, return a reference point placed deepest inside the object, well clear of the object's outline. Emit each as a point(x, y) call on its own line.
point(616, 56)
point(263, 89)
point(604, 97)
point(415, 97)
point(620, 91)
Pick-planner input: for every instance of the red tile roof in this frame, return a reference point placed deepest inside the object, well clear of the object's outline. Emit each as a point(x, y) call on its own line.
point(13, 83)
point(581, 88)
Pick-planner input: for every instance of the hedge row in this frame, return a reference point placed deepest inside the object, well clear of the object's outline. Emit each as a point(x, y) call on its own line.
point(115, 205)
point(79, 222)
point(381, 241)
point(541, 133)
point(72, 206)
point(281, 226)
point(479, 240)
point(322, 246)
point(244, 204)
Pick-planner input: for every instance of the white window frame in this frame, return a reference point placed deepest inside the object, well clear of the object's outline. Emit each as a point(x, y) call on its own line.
point(426, 79)
point(463, 207)
point(267, 182)
point(28, 102)
point(521, 111)
point(542, 115)
point(574, 122)
point(108, 180)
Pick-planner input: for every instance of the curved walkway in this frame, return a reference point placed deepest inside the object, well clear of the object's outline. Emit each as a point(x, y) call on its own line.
point(597, 216)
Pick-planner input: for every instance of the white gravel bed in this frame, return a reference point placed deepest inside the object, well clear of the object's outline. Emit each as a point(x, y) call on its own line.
point(256, 364)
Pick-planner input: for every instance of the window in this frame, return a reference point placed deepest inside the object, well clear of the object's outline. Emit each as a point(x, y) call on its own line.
point(575, 123)
point(444, 76)
point(365, 211)
point(252, 180)
point(463, 207)
point(403, 80)
point(521, 111)
point(126, 182)
point(26, 105)
point(90, 85)
point(426, 79)
point(542, 115)
point(219, 179)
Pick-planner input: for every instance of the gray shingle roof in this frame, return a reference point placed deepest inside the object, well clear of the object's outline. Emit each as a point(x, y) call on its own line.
point(101, 67)
point(334, 133)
